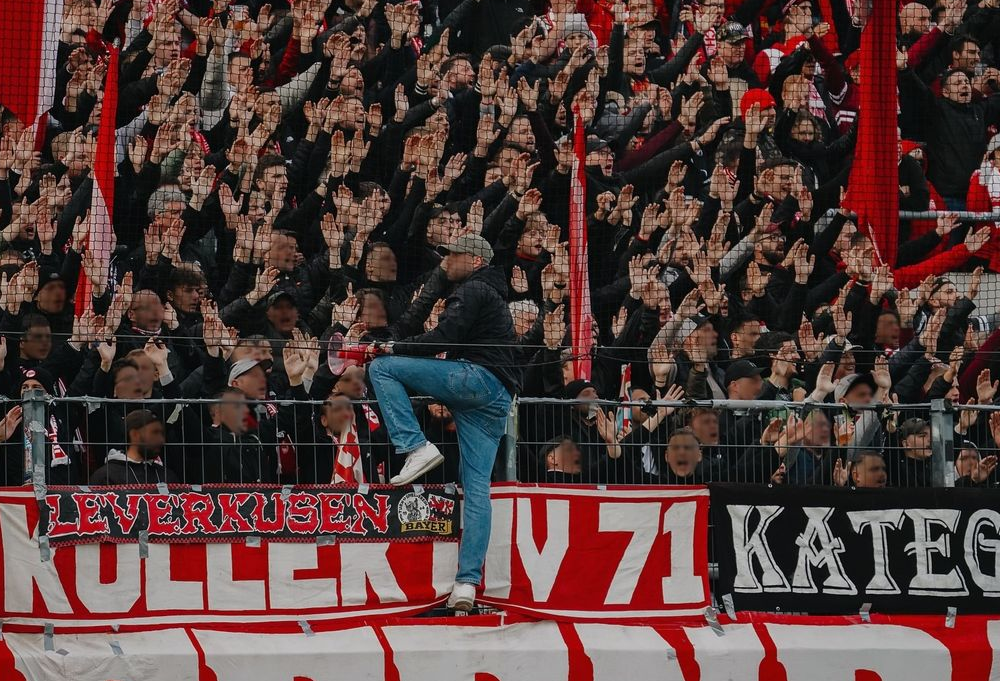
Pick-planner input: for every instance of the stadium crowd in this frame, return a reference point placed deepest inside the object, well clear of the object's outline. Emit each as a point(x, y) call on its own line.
point(288, 173)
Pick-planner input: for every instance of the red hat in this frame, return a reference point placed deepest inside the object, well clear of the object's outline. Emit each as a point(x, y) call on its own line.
point(757, 96)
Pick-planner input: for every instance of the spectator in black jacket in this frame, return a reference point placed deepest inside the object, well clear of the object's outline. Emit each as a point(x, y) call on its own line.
point(971, 468)
point(868, 470)
point(140, 463)
point(231, 453)
point(560, 459)
point(909, 465)
point(476, 328)
point(957, 129)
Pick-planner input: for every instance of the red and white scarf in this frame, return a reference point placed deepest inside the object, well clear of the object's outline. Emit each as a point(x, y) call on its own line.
point(59, 455)
point(347, 466)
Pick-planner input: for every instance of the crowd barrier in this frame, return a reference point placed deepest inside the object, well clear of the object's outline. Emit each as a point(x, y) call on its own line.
point(939, 443)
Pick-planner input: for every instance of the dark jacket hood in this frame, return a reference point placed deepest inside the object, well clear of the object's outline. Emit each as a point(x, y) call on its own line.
point(491, 276)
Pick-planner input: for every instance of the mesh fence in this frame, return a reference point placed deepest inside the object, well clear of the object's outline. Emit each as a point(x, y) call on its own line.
point(235, 440)
point(623, 201)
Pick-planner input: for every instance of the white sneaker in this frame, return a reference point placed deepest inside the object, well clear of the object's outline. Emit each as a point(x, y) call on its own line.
point(463, 597)
point(419, 461)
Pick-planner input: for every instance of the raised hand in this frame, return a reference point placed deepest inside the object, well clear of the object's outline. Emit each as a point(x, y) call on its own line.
point(661, 362)
point(881, 374)
point(757, 280)
point(10, 422)
point(296, 362)
point(755, 121)
point(793, 434)
point(690, 108)
point(840, 473)
point(976, 240)
point(974, 282)
point(554, 328)
point(771, 432)
point(120, 304)
point(107, 350)
point(929, 337)
point(712, 131)
point(201, 186)
point(86, 328)
point(700, 270)
point(705, 18)
point(528, 94)
point(333, 234)
point(529, 204)
point(810, 345)
point(842, 320)
point(606, 426)
point(906, 306)
point(266, 280)
point(345, 312)
point(718, 74)
point(618, 321)
point(995, 427)
point(967, 417)
point(825, 383)
point(157, 351)
point(986, 390)
point(518, 280)
point(984, 469)
point(689, 304)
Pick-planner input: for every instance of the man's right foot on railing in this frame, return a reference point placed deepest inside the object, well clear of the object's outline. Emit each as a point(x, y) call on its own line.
point(418, 462)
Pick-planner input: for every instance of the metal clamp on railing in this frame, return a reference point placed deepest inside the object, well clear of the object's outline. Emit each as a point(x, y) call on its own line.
point(33, 403)
point(942, 443)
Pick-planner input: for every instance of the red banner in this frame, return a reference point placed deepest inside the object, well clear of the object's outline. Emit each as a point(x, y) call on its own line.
point(581, 315)
point(560, 552)
point(629, 553)
point(762, 648)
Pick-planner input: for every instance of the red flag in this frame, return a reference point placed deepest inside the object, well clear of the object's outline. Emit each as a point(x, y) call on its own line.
point(581, 317)
point(873, 189)
point(29, 43)
point(101, 239)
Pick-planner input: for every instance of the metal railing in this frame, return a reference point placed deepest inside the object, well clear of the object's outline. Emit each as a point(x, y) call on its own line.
point(68, 440)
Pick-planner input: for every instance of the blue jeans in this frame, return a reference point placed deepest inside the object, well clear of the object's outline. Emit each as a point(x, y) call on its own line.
point(479, 403)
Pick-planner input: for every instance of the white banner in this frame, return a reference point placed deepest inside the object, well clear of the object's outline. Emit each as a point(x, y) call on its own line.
point(480, 649)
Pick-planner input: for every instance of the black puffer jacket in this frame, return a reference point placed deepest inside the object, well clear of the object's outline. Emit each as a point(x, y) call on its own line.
point(475, 326)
